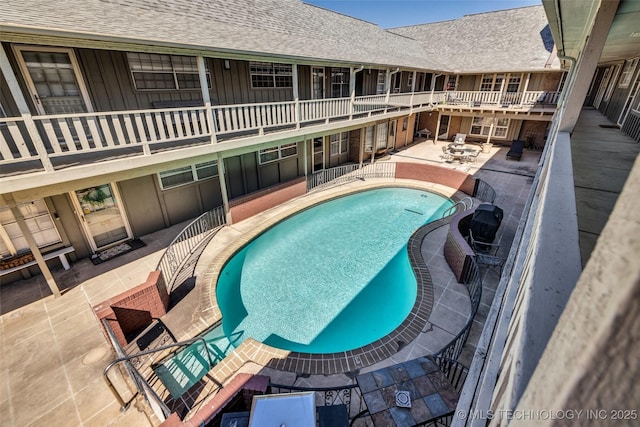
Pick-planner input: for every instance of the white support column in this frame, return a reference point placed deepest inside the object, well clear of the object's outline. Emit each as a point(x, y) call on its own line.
point(296, 94)
point(352, 89)
point(387, 84)
point(525, 88)
point(223, 186)
point(204, 87)
point(587, 64)
point(304, 154)
point(437, 128)
point(21, 102)
point(33, 246)
point(413, 90)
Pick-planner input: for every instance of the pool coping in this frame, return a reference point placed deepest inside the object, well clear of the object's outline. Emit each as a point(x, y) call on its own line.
point(345, 361)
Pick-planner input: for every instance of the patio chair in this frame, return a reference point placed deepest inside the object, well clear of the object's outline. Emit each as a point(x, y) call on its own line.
point(446, 155)
point(459, 139)
point(486, 254)
point(472, 156)
point(515, 152)
point(483, 247)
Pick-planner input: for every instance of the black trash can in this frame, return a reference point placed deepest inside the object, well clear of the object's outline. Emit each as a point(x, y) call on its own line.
point(485, 222)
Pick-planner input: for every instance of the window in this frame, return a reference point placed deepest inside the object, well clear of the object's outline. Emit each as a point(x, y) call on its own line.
point(382, 76)
point(481, 126)
point(339, 143)
point(339, 82)
point(491, 82)
point(370, 131)
point(188, 174)
point(627, 72)
point(39, 222)
point(268, 74)
point(513, 84)
point(405, 123)
point(410, 81)
point(273, 154)
point(152, 71)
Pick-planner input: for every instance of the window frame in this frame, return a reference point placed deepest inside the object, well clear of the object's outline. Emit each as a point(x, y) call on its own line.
point(339, 141)
point(381, 85)
point(486, 124)
point(32, 219)
point(280, 151)
point(342, 85)
point(193, 168)
point(177, 69)
point(271, 71)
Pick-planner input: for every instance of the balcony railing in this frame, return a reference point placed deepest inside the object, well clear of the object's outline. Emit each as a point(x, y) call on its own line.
point(43, 138)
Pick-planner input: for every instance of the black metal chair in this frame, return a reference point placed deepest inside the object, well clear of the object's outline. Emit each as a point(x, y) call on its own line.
point(487, 253)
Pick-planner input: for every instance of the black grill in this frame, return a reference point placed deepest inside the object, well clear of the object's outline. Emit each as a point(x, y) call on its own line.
point(485, 222)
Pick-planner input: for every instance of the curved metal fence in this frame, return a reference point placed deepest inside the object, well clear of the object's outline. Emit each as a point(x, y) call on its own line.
point(182, 247)
point(484, 191)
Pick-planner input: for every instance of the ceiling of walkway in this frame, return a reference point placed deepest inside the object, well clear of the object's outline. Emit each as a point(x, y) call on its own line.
point(567, 19)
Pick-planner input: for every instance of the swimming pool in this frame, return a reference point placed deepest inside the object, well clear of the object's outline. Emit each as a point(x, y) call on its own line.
point(332, 278)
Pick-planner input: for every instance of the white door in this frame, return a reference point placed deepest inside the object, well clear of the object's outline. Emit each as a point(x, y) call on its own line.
point(54, 79)
point(102, 218)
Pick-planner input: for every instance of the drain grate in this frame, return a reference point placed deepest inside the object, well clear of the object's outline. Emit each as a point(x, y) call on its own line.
point(610, 126)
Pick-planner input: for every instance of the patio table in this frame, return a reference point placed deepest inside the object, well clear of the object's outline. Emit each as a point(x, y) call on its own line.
point(431, 394)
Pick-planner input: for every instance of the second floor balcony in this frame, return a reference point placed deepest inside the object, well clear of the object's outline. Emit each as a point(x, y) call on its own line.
point(54, 142)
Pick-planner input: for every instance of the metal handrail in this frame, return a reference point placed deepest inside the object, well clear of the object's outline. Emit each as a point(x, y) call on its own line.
point(183, 245)
point(105, 372)
point(466, 203)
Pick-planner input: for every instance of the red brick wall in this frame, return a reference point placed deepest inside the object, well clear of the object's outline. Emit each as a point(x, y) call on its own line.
point(354, 145)
point(430, 173)
point(134, 309)
point(252, 204)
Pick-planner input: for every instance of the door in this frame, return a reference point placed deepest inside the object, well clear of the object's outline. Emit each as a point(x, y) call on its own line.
point(54, 79)
point(317, 83)
point(100, 213)
point(443, 130)
point(318, 153)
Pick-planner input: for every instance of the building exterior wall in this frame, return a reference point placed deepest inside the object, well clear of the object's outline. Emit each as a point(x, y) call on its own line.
point(405, 131)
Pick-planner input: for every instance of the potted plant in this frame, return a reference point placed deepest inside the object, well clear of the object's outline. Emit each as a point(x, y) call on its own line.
point(486, 147)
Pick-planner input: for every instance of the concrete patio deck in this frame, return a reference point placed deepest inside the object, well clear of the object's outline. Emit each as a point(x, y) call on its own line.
point(53, 351)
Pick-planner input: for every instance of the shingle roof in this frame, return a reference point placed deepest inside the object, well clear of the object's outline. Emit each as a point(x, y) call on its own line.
point(514, 39)
point(286, 28)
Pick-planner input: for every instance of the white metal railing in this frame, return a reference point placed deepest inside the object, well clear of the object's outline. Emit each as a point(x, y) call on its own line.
point(45, 137)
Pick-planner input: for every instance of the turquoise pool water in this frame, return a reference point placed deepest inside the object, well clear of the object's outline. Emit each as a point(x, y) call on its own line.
point(331, 278)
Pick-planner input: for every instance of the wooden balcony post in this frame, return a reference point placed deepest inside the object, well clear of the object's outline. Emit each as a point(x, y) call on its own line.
point(204, 87)
point(413, 91)
point(223, 187)
point(296, 94)
point(525, 88)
